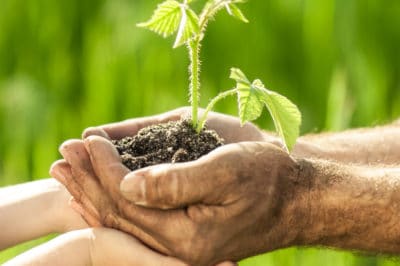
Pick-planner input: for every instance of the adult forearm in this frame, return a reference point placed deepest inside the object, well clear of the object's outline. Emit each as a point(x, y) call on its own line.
point(353, 207)
point(376, 146)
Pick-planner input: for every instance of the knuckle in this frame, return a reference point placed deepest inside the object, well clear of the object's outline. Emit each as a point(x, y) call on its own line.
point(78, 195)
point(163, 190)
point(110, 220)
point(228, 164)
point(156, 194)
point(154, 187)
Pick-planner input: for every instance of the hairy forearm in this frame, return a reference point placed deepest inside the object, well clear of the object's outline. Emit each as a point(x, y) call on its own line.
point(379, 145)
point(369, 146)
point(353, 207)
point(34, 209)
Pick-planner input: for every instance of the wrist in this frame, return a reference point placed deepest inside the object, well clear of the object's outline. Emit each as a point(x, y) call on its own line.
point(293, 208)
point(296, 202)
point(65, 218)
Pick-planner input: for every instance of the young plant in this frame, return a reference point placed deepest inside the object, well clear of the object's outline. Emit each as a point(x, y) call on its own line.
point(172, 17)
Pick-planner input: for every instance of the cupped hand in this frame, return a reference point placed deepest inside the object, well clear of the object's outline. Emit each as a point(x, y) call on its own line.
point(240, 200)
point(100, 203)
point(228, 127)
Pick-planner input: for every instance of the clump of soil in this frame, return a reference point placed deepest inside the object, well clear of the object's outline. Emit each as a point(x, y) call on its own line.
point(171, 142)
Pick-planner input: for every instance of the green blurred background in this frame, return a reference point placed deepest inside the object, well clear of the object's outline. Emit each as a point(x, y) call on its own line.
point(67, 65)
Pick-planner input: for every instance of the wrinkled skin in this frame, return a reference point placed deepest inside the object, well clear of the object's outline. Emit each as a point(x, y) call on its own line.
point(253, 205)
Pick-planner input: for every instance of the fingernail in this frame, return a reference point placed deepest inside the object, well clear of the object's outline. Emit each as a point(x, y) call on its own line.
point(62, 150)
point(65, 149)
point(95, 131)
point(133, 187)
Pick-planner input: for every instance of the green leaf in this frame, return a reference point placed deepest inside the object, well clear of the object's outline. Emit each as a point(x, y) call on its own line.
point(165, 19)
point(250, 105)
point(253, 96)
point(239, 76)
point(234, 11)
point(188, 27)
point(285, 114)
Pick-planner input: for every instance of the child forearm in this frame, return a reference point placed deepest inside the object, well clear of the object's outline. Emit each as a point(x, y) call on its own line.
point(35, 209)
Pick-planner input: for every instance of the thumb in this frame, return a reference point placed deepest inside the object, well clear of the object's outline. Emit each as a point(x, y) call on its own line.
point(171, 186)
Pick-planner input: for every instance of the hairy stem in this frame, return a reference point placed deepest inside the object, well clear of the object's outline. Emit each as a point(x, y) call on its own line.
point(194, 69)
point(209, 12)
point(210, 106)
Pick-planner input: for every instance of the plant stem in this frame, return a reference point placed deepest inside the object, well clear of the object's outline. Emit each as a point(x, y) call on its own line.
point(209, 12)
point(194, 70)
point(210, 106)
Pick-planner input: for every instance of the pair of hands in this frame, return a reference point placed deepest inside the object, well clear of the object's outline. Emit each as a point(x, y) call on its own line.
point(38, 208)
point(235, 202)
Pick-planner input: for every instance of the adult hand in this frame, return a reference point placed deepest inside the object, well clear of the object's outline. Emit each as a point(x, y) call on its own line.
point(240, 200)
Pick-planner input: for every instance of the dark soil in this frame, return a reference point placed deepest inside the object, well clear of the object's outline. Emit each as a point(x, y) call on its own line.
point(166, 143)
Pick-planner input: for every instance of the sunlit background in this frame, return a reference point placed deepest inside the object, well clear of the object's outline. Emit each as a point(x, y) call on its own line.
point(67, 65)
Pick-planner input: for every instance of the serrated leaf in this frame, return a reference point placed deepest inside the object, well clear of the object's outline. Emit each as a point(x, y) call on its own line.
point(250, 103)
point(234, 11)
point(238, 76)
point(165, 19)
point(253, 96)
point(188, 27)
point(285, 114)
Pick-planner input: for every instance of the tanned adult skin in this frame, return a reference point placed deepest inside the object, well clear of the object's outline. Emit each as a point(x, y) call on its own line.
point(245, 198)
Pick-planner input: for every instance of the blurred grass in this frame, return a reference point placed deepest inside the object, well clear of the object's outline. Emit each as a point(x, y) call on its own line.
point(67, 65)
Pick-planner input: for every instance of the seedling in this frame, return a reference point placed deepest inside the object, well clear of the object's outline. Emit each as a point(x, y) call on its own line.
point(172, 17)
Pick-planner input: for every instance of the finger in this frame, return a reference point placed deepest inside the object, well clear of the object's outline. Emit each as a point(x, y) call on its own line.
point(107, 165)
point(130, 127)
point(57, 173)
point(61, 170)
point(128, 251)
point(90, 219)
point(95, 131)
point(230, 128)
point(172, 186)
point(104, 158)
point(75, 153)
point(127, 227)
